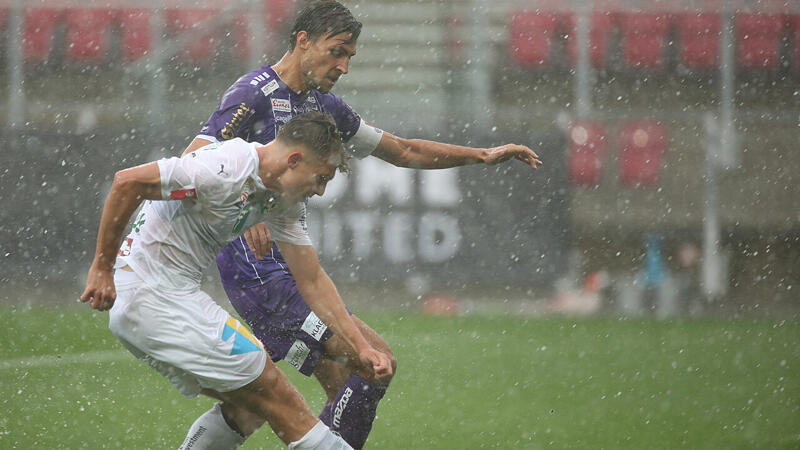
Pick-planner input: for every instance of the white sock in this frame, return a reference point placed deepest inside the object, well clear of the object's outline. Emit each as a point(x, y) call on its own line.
point(211, 432)
point(320, 438)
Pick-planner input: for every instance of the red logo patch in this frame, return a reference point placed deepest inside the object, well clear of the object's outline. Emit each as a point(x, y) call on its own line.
point(125, 248)
point(183, 194)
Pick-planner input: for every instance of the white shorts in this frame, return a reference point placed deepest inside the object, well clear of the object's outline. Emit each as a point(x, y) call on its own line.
point(187, 338)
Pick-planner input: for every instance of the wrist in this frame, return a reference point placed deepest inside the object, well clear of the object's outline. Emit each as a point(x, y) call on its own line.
point(101, 264)
point(483, 155)
point(360, 345)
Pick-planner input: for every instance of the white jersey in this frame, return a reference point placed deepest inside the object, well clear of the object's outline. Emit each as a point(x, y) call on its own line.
point(211, 196)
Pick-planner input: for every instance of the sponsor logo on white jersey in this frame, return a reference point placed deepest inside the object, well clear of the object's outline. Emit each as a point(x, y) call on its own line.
point(125, 248)
point(314, 326)
point(279, 104)
point(270, 87)
point(297, 354)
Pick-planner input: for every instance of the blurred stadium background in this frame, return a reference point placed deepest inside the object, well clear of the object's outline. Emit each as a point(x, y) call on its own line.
point(669, 131)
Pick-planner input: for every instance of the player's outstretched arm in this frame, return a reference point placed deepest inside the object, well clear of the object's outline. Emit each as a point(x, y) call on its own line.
point(422, 154)
point(321, 295)
point(130, 188)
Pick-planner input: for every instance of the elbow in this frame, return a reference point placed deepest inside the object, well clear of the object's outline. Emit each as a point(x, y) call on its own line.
point(402, 155)
point(126, 183)
point(123, 181)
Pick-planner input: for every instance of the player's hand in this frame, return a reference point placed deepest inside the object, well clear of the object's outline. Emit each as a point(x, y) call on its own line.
point(379, 362)
point(258, 240)
point(100, 290)
point(497, 155)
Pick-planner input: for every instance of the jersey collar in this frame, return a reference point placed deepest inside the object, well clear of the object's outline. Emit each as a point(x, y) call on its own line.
point(294, 95)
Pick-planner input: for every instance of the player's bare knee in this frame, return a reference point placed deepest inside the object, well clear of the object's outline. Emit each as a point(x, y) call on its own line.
point(241, 420)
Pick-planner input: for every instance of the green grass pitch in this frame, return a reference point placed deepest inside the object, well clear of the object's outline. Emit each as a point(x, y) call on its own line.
point(462, 383)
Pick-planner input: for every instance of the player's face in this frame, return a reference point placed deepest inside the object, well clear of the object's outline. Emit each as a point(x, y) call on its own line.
point(326, 60)
point(307, 178)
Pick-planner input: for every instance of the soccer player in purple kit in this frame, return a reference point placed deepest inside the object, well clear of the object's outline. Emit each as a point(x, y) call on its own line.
point(253, 272)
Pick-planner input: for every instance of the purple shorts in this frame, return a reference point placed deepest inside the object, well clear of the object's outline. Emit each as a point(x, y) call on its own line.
point(278, 316)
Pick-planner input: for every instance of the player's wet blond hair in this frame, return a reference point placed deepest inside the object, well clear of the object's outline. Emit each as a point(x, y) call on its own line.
point(316, 132)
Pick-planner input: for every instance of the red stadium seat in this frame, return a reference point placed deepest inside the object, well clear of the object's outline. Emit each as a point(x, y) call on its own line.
point(37, 33)
point(277, 15)
point(134, 33)
point(644, 40)
point(587, 148)
point(643, 143)
point(3, 19)
point(280, 13)
point(88, 34)
point(599, 37)
point(794, 23)
point(531, 39)
point(241, 33)
point(699, 40)
point(758, 40)
point(203, 48)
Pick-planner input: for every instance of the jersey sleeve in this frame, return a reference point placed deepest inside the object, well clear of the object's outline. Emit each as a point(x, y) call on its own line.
point(234, 114)
point(207, 176)
point(290, 226)
point(360, 137)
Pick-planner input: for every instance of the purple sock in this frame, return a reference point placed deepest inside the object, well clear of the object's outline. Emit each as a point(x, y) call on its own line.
point(352, 412)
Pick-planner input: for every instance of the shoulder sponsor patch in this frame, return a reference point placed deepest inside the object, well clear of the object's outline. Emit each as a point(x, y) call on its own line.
point(314, 326)
point(279, 104)
point(270, 87)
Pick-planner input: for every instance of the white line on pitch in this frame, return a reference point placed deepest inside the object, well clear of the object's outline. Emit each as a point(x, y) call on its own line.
point(70, 358)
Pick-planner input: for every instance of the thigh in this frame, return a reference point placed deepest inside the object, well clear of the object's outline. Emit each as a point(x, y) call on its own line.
point(187, 338)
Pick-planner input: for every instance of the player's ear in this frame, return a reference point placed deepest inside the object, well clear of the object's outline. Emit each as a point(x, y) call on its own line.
point(302, 40)
point(294, 159)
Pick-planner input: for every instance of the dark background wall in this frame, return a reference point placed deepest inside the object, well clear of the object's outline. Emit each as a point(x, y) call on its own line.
point(499, 225)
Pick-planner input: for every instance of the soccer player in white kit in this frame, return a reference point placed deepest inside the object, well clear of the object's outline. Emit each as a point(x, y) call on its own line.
point(197, 204)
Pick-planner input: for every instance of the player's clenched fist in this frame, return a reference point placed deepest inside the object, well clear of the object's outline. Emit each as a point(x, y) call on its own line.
point(100, 289)
point(379, 362)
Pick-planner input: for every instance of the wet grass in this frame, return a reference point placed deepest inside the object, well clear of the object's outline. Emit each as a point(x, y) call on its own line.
point(469, 382)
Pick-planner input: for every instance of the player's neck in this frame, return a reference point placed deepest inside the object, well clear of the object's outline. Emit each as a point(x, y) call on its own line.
point(269, 166)
point(288, 69)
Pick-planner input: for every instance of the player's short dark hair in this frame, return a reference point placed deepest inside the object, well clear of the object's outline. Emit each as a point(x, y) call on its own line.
point(317, 132)
point(324, 18)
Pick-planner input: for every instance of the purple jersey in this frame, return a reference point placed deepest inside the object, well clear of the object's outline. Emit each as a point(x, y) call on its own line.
point(254, 109)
